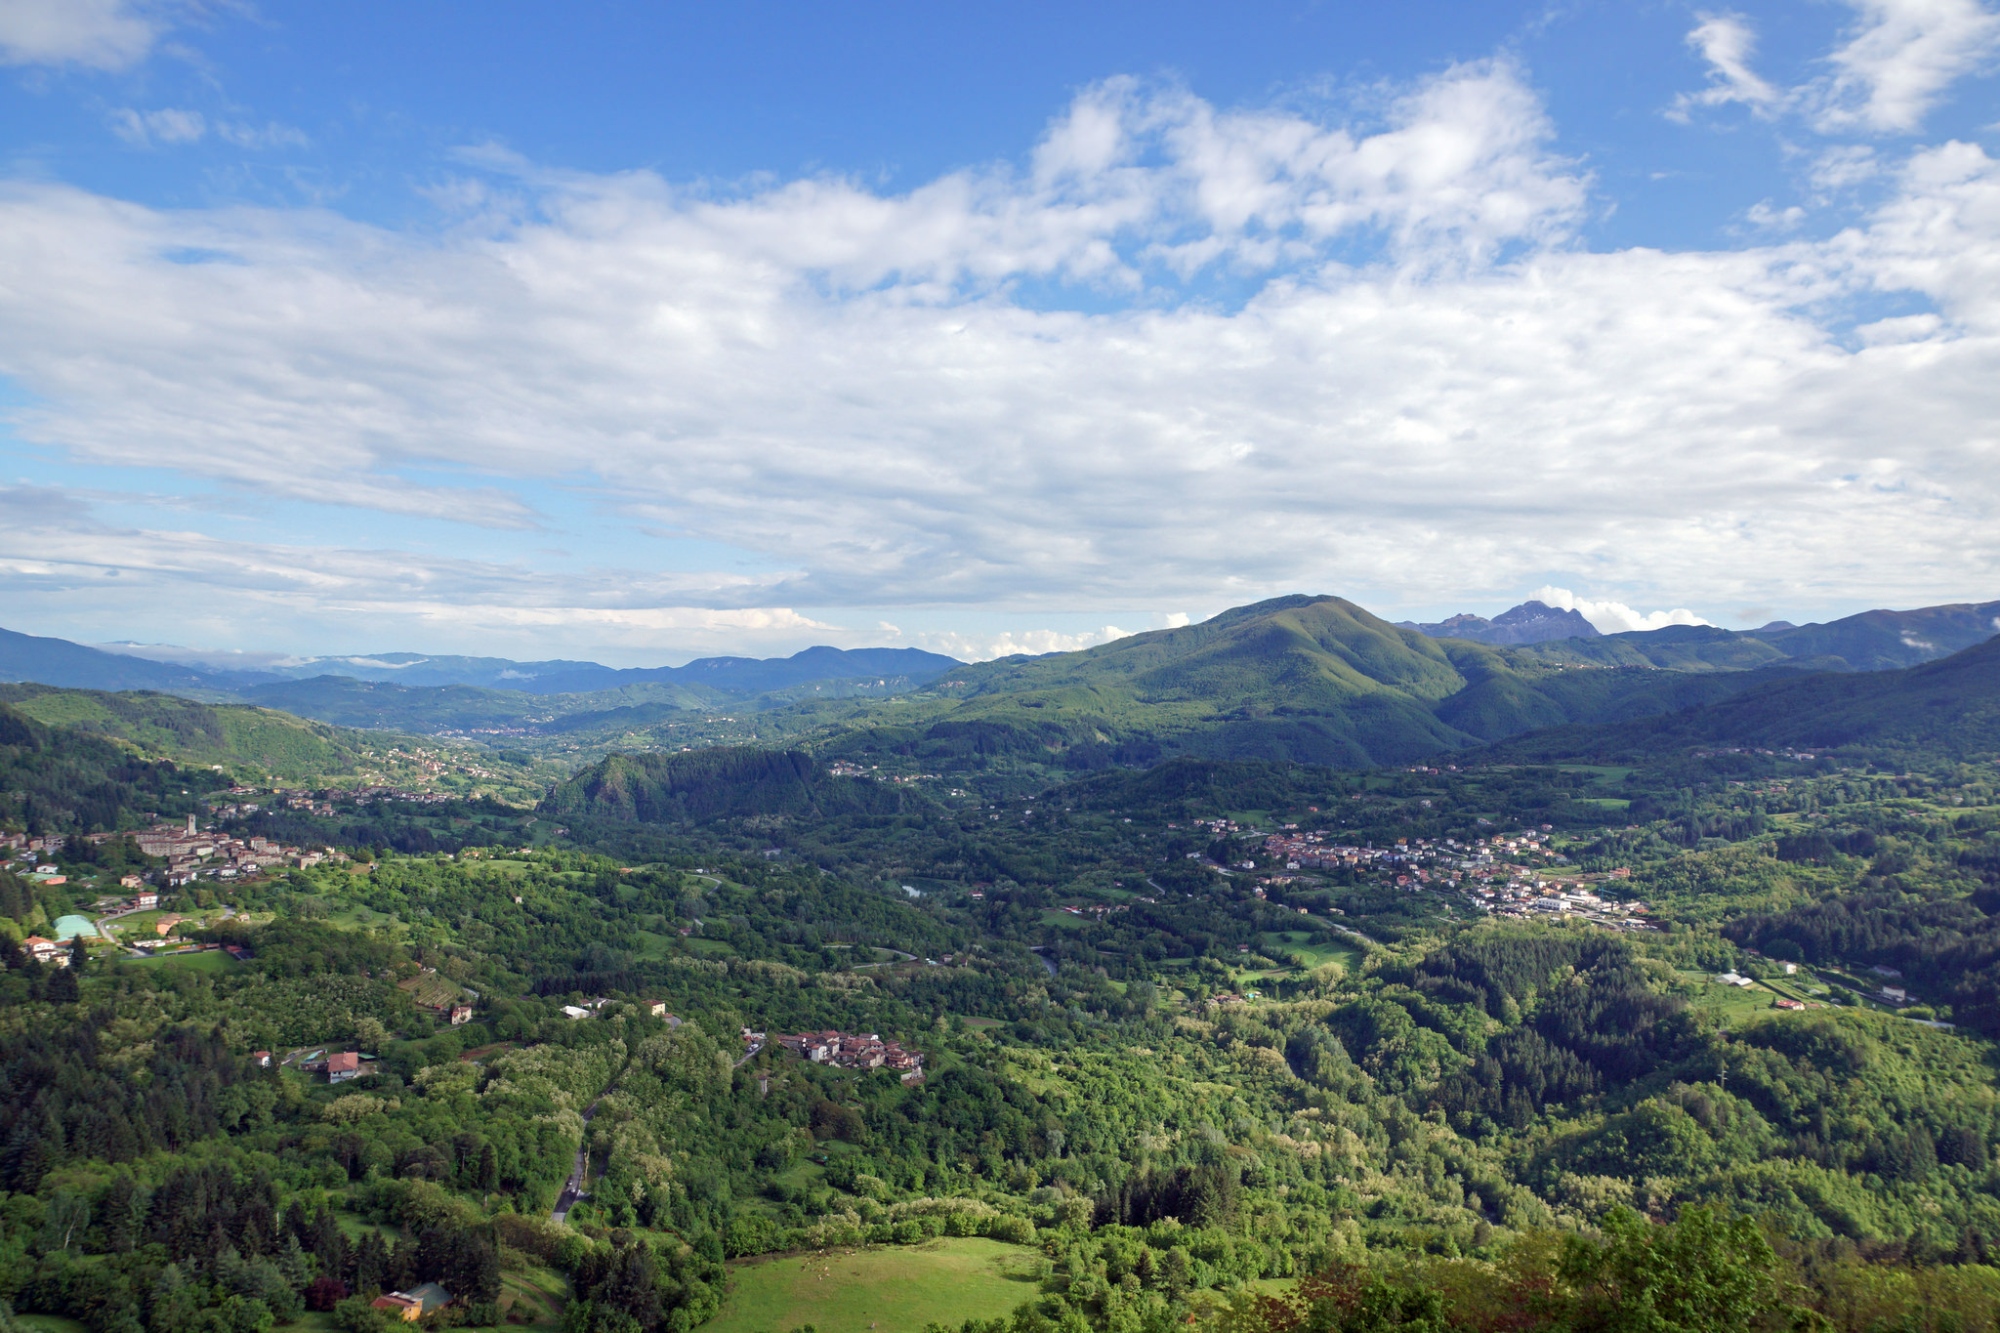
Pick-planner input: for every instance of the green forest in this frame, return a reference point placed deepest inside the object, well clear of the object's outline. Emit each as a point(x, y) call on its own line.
point(1656, 1021)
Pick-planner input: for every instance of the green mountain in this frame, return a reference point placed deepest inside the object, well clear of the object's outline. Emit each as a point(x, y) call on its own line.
point(167, 727)
point(1948, 708)
point(63, 778)
point(30, 657)
point(1883, 640)
point(714, 784)
point(429, 709)
point(1310, 679)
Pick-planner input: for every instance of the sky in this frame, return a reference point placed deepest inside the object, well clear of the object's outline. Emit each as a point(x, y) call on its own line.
point(641, 332)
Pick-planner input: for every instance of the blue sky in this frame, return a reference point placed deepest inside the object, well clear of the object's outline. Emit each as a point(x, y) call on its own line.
point(640, 332)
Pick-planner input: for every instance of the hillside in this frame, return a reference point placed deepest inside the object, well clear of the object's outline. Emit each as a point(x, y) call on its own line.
point(29, 657)
point(61, 778)
point(714, 784)
point(429, 709)
point(167, 727)
point(1870, 641)
point(1948, 708)
point(1308, 679)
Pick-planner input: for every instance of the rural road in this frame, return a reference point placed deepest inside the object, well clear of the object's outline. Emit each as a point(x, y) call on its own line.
point(573, 1187)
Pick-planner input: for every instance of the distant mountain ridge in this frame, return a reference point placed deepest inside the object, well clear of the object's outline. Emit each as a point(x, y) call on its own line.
point(44, 661)
point(1530, 622)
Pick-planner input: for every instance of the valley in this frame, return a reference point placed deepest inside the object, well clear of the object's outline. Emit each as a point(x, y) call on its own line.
point(1290, 970)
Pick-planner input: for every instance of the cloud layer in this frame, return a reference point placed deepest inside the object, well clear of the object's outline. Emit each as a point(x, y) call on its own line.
point(97, 34)
point(1182, 355)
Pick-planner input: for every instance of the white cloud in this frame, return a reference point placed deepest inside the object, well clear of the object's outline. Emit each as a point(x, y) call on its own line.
point(1900, 58)
point(54, 549)
point(271, 134)
point(1896, 61)
point(1845, 166)
point(99, 34)
point(1727, 43)
point(176, 125)
point(1767, 217)
point(168, 125)
point(1614, 617)
point(1420, 387)
point(1034, 643)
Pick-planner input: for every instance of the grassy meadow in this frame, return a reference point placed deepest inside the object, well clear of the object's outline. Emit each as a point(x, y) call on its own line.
point(891, 1290)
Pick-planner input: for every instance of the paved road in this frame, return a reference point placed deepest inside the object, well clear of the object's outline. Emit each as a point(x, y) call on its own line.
point(573, 1187)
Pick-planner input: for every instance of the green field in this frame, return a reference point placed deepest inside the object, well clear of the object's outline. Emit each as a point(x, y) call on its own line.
point(48, 1323)
point(211, 960)
point(1317, 950)
point(532, 1298)
point(893, 1290)
point(1730, 1004)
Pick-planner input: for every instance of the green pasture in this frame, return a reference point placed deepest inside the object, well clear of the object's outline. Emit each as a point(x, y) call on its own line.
point(532, 1297)
point(211, 960)
point(49, 1323)
point(1318, 950)
point(1730, 1004)
point(901, 1288)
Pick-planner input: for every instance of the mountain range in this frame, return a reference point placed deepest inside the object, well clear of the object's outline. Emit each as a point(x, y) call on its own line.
point(46, 661)
point(1309, 678)
point(1530, 622)
point(1321, 680)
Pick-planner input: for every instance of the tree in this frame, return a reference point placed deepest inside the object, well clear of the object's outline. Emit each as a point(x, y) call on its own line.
point(63, 987)
point(1704, 1273)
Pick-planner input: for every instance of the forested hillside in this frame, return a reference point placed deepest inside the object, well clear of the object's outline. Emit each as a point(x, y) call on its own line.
point(1491, 1039)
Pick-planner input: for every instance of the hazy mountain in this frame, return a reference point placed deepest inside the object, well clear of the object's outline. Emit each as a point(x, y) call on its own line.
point(27, 657)
point(1530, 622)
point(72, 665)
point(1880, 640)
point(1870, 641)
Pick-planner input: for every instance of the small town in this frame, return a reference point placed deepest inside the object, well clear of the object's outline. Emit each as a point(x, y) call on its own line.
point(846, 1050)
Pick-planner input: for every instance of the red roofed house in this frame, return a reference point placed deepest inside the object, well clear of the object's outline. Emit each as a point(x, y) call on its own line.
point(343, 1066)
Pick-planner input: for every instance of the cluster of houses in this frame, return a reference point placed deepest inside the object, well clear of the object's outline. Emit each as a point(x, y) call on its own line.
point(1312, 851)
point(321, 802)
point(1533, 898)
point(192, 853)
point(848, 1050)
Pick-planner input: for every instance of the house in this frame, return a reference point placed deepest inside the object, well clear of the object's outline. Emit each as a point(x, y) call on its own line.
point(575, 1011)
point(342, 1066)
point(461, 1014)
point(415, 1303)
point(659, 1008)
point(46, 951)
point(1791, 1004)
point(263, 1059)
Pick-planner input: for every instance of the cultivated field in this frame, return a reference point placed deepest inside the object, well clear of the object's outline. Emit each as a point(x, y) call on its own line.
point(892, 1290)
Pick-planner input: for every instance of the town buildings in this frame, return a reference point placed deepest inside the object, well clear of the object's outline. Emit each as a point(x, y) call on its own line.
point(847, 1050)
